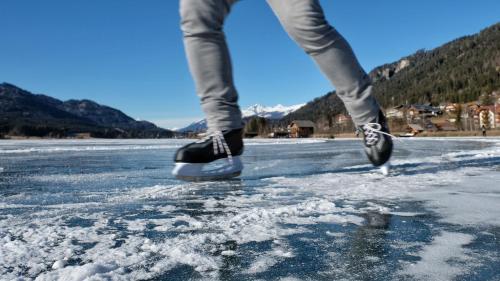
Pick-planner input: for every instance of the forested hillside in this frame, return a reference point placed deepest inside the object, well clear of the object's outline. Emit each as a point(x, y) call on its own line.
point(459, 71)
point(23, 114)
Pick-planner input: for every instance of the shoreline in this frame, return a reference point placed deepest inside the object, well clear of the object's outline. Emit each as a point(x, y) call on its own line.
point(319, 136)
point(490, 133)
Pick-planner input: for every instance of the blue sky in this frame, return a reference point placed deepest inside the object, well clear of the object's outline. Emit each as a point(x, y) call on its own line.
point(128, 54)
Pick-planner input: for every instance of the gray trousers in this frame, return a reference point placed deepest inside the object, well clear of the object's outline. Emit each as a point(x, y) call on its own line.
point(210, 64)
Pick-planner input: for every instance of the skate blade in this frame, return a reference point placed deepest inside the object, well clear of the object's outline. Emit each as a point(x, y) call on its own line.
point(208, 178)
point(385, 169)
point(196, 171)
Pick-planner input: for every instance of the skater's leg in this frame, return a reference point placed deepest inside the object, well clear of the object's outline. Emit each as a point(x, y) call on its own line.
point(208, 57)
point(210, 65)
point(304, 20)
point(306, 24)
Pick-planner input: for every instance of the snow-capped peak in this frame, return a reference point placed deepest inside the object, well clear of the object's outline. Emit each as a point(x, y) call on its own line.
point(269, 112)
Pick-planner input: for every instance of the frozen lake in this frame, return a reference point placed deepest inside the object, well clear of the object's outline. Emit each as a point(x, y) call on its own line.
point(303, 210)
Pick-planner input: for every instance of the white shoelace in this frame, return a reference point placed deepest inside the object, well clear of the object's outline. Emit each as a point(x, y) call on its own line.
point(372, 131)
point(219, 144)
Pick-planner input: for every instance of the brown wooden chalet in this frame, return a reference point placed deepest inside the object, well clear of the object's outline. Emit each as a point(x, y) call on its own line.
point(301, 129)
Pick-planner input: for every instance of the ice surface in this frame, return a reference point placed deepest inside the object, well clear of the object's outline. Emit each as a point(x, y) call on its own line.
point(303, 209)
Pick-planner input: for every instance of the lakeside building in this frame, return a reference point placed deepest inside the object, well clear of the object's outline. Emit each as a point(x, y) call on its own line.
point(301, 129)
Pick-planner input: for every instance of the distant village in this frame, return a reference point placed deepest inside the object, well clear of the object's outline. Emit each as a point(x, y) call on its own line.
point(473, 118)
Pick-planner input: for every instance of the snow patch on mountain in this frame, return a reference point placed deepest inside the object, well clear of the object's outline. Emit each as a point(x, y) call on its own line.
point(269, 112)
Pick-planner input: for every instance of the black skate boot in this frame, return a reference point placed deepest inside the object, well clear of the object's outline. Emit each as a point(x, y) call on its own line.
point(378, 142)
point(223, 148)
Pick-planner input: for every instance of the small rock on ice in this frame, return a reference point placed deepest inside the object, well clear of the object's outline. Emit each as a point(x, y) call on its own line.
point(59, 264)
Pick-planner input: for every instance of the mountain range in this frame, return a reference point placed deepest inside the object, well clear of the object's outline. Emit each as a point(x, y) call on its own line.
point(269, 112)
point(459, 71)
point(25, 114)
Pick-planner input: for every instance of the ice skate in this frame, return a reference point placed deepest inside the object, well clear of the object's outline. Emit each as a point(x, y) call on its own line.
point(378, 143)
point(215, 157)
